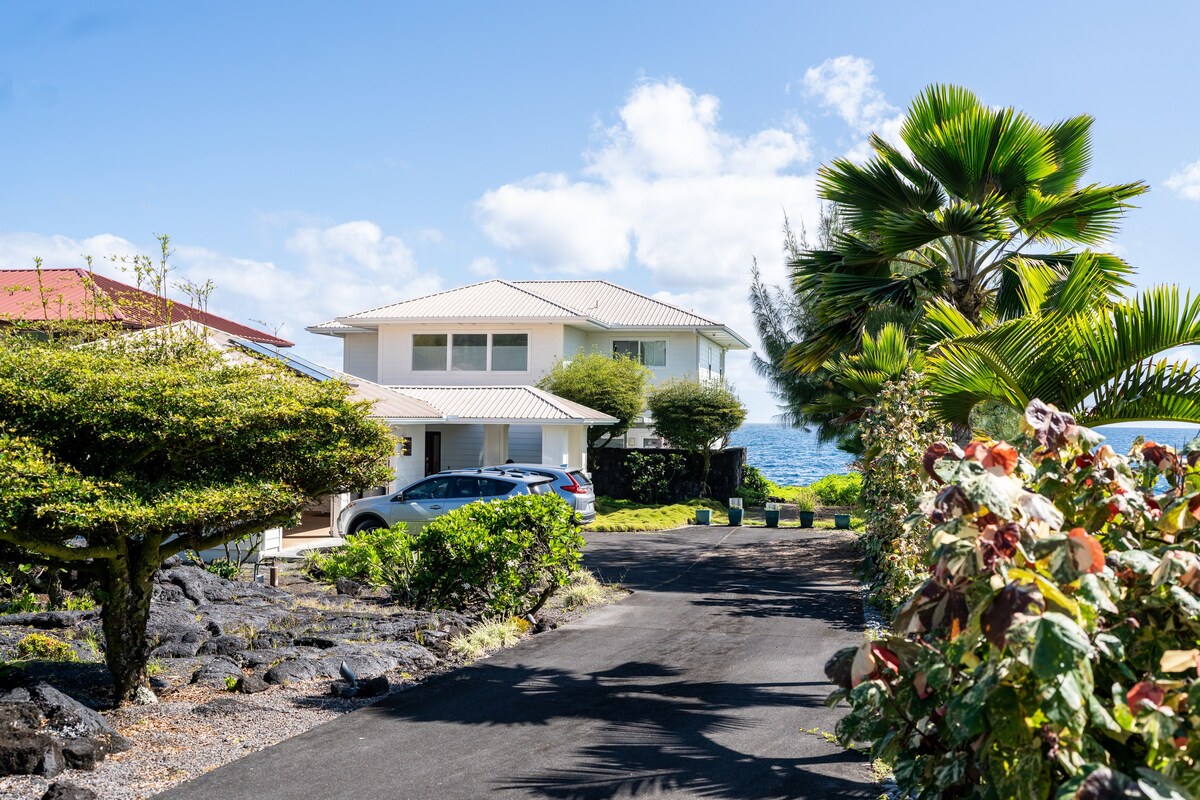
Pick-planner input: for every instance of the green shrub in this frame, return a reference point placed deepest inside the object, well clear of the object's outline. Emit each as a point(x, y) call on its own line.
point(510, 555)
point(1052, 650)
point(755, 489)
point(40, 646)
point(224, 568)
point(803, 496)
point(651, 474)
point(379, 557)
point(896, 432)
point(838, 490)
point(20, 601)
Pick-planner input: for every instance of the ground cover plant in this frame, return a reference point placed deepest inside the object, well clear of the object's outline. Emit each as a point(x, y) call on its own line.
point(626, 516)
point(1053, 649)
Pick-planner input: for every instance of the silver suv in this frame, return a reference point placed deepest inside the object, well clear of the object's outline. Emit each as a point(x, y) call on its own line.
point(572, 485)
point(418, 503)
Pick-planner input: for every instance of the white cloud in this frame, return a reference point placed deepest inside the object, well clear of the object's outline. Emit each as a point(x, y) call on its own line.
point(846, 85)
point(1185, 181)
point(334, 270)
point(484, 267)
point(664, 189)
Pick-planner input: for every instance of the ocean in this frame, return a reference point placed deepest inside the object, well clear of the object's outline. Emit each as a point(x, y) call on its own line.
point(793, 457)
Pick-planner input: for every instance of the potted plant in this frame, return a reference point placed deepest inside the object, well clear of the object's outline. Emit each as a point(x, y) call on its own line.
point(841, 522)
point(703, 516)
point(735, 511)
point(771, 512)
point(806, 504)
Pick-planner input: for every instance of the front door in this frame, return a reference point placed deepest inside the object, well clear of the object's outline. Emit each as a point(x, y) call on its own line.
point(433, 452)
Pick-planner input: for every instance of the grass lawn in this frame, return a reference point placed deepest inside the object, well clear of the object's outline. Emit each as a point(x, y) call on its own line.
point(618, 516)
point(626, 516)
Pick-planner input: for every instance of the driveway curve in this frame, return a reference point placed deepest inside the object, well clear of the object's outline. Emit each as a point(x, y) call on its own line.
point(705, 682)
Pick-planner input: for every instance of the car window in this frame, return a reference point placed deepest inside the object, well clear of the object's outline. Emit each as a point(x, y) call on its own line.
point(581, 478)
point(465, 488)
point(433, 489)
point(490, 487)
point(545, 487)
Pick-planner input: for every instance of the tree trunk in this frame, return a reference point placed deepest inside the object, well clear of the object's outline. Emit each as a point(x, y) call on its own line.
point(968, 298)
point(128, 585)
point(704, 474)
point(962, 433)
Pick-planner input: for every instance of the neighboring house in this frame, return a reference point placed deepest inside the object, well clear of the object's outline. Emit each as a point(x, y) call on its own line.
point(475, 352)
point(54, 295)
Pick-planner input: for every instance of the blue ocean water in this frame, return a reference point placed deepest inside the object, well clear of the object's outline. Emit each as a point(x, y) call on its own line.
point(794, 457)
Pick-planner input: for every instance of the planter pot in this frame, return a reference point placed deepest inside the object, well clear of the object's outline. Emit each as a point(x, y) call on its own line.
point(772, 518)
point(841, 522)
point(735, 515)
point(703, 516)
point(806, 519)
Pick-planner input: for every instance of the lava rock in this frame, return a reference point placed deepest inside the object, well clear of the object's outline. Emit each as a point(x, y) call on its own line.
point(374, 687)
point(250, 684)
point(293, 670)
point(214, 672)
point(19, 717)
point(348, 587)
point(29, 753)
point(224, 646)
point(69, 791)
point(343, 690)
point(84, 753)
point(320, 642)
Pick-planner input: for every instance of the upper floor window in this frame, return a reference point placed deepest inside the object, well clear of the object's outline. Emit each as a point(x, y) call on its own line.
point(429, 351)
point(652, 352)
point(470, 352)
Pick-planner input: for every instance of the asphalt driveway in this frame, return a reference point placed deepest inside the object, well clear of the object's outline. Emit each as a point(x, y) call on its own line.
point(703, 683)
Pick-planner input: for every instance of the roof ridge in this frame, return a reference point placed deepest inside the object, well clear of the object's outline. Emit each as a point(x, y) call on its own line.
point(627, 290)
point(575, 311)
point(422, 297)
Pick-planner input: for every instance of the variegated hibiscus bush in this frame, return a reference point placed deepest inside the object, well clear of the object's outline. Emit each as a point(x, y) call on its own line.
point(1052, 651)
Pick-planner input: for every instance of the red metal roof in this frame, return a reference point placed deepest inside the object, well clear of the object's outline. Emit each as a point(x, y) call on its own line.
point(81, 295)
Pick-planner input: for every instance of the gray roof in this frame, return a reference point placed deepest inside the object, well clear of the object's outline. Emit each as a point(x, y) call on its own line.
point(598, 305)
point(504, 404)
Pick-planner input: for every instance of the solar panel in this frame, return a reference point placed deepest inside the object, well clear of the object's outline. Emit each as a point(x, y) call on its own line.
point(296, 363)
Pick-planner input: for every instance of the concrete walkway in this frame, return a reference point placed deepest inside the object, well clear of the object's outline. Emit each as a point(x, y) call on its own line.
point(700, 684)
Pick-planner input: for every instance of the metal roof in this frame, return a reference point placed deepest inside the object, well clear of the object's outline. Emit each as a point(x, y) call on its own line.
point(490, 299)
point(591, 304)
point(615, 305)
point(77, 294)
point(503, 404)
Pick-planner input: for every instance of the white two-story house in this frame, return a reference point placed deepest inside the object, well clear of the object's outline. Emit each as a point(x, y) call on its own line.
point(476, 352)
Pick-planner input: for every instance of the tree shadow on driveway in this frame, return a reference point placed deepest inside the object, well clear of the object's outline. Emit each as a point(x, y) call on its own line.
point(639, 729)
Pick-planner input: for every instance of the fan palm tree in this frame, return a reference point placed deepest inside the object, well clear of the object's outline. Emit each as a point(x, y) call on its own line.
point(1097, 357)
point(984, 202)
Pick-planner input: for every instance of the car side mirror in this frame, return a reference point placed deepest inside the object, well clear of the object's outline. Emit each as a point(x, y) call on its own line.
point(398, 498)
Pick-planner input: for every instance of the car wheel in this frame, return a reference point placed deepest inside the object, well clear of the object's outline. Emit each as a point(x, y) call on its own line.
point(367, 524)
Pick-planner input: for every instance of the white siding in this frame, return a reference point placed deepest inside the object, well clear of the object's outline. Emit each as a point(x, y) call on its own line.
point(395, 356)
point(360, 355)
point(575, 342)
point(682, 351)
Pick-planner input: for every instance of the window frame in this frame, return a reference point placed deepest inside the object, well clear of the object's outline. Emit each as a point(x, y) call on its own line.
point(641, 342)
point(448, 367)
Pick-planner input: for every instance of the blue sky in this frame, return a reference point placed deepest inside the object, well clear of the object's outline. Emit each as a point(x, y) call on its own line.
point(315, 160)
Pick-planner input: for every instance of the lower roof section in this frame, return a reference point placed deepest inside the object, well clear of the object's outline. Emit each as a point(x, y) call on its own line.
point(496, 405)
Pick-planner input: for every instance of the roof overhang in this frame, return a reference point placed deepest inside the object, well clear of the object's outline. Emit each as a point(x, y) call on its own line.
point(358, 324)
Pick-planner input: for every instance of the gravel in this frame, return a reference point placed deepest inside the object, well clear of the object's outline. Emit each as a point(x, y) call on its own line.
point(172, 743)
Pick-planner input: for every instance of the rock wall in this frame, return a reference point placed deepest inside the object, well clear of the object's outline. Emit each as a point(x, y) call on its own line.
point(614, 474)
